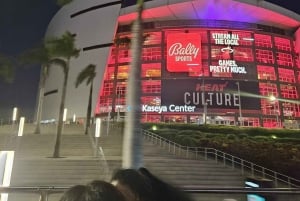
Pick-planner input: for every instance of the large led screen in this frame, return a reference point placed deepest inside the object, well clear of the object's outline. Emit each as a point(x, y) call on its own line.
point(183, 52)
point(216, 93)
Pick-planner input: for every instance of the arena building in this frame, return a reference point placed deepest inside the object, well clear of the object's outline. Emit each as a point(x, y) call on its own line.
point(203, 61)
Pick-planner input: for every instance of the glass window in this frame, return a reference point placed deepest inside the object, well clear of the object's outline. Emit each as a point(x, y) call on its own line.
point(284, 59)
point(286, 75)
point(107, 89)
point(122, 72)
point(282, 44)
point(151, 86)
point(289, 91)
point(152, 38)
point(151, 100)
point(112, 58)
point(151, 54)
point(262, 40)
point(266, 73)
point(124, 55)
point(264, 56)
point(109, 73)
point(151, 70)
point(268, 89)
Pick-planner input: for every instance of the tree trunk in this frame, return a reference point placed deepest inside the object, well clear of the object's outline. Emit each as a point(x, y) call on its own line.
point(56, 153)
point(89, 110)
point(132, 144)
point(40, 100)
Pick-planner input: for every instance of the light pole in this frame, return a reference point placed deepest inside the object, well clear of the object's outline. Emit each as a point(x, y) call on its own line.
point(272, 99)
point(240, 105)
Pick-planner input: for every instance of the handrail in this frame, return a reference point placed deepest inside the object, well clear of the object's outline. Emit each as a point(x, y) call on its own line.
point(44, 192)
point(220, 156)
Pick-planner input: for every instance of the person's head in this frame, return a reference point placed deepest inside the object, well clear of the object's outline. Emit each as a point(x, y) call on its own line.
point(141, 185)
point(105, 191)
point(133, 185)
point(94, 191)
point(77, 193)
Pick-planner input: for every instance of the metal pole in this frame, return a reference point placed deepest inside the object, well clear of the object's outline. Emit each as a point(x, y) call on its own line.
point(240, 105)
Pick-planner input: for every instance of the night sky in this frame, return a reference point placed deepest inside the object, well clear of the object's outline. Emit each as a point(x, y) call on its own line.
point(22, 25)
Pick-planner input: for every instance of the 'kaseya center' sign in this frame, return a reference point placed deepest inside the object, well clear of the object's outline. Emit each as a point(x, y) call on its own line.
point(183, 52)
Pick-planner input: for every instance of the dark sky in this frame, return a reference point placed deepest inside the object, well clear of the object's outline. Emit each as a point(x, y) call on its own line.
point(22, 25)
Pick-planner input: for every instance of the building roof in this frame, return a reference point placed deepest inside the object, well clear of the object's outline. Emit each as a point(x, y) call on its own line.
point(251, 11)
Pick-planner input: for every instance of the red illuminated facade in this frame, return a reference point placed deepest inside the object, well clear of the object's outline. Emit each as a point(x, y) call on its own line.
point(197, 74)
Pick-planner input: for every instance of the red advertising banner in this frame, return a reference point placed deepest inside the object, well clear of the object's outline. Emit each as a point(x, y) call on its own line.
point(183, 52)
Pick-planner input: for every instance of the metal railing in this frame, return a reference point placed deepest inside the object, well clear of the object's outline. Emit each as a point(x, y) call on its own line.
point(44, 193)
point(245, 166)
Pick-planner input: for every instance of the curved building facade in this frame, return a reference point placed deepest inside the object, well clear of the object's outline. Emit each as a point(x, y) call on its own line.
point(225, 62)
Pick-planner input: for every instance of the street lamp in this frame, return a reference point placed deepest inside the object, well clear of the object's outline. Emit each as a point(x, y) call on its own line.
point(240, 105)
point(272, 99)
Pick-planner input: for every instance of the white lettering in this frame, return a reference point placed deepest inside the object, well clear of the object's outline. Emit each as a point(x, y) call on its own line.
point(177, 49)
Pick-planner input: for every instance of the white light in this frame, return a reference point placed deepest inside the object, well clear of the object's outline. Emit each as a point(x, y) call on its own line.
point(74, 118)
point(249, 183)
point(14, 116)
point(6, 165)
point(250, 39)
point(21, 126)
point(98, 127)
point(272, 98)
point(193, 64)
point(65, 114)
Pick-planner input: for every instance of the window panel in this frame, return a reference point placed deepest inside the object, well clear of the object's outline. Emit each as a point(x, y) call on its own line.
point(264, 56)
point(289, 91)
point(151, 70)
point(282, 44)
point(151, 54)
point(284, 59)
point(286, 75)
point(263, 40)
point(122, 72)
point(151, 86)
point(266, 73)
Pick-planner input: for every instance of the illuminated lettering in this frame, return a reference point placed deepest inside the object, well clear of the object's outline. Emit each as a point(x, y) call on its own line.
point(178, 49)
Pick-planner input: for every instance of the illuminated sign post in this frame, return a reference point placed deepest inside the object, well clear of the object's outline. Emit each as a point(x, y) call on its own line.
point(183, 52)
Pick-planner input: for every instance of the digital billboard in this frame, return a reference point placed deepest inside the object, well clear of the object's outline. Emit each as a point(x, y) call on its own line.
point(183, 52)
point(216, 93)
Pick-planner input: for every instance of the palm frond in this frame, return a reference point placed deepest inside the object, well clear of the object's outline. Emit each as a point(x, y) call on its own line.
point(88, 74)
point(7, 69)
point(63, 46)
point(59, 62)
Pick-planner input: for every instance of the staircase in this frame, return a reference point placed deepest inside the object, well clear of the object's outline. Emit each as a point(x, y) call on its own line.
point(34, 166)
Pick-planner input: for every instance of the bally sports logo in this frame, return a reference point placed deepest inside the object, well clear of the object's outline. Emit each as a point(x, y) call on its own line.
point(183, 52)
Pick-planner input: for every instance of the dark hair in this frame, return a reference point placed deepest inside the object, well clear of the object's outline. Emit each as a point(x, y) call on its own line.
point(164, 191)
point(138, 184)
point(77, 193)
point(105, 191)
point(147, 187)
point(94, 191)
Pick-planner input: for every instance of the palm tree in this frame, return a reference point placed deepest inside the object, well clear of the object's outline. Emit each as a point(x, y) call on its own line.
point(7, 69)
point(38, 55)
point(63, 2)
point(87, 74)
point(62, 50)
point(132, 144)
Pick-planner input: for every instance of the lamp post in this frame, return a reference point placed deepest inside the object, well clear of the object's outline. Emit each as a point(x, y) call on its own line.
point(272, 99)
point(240, 105)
